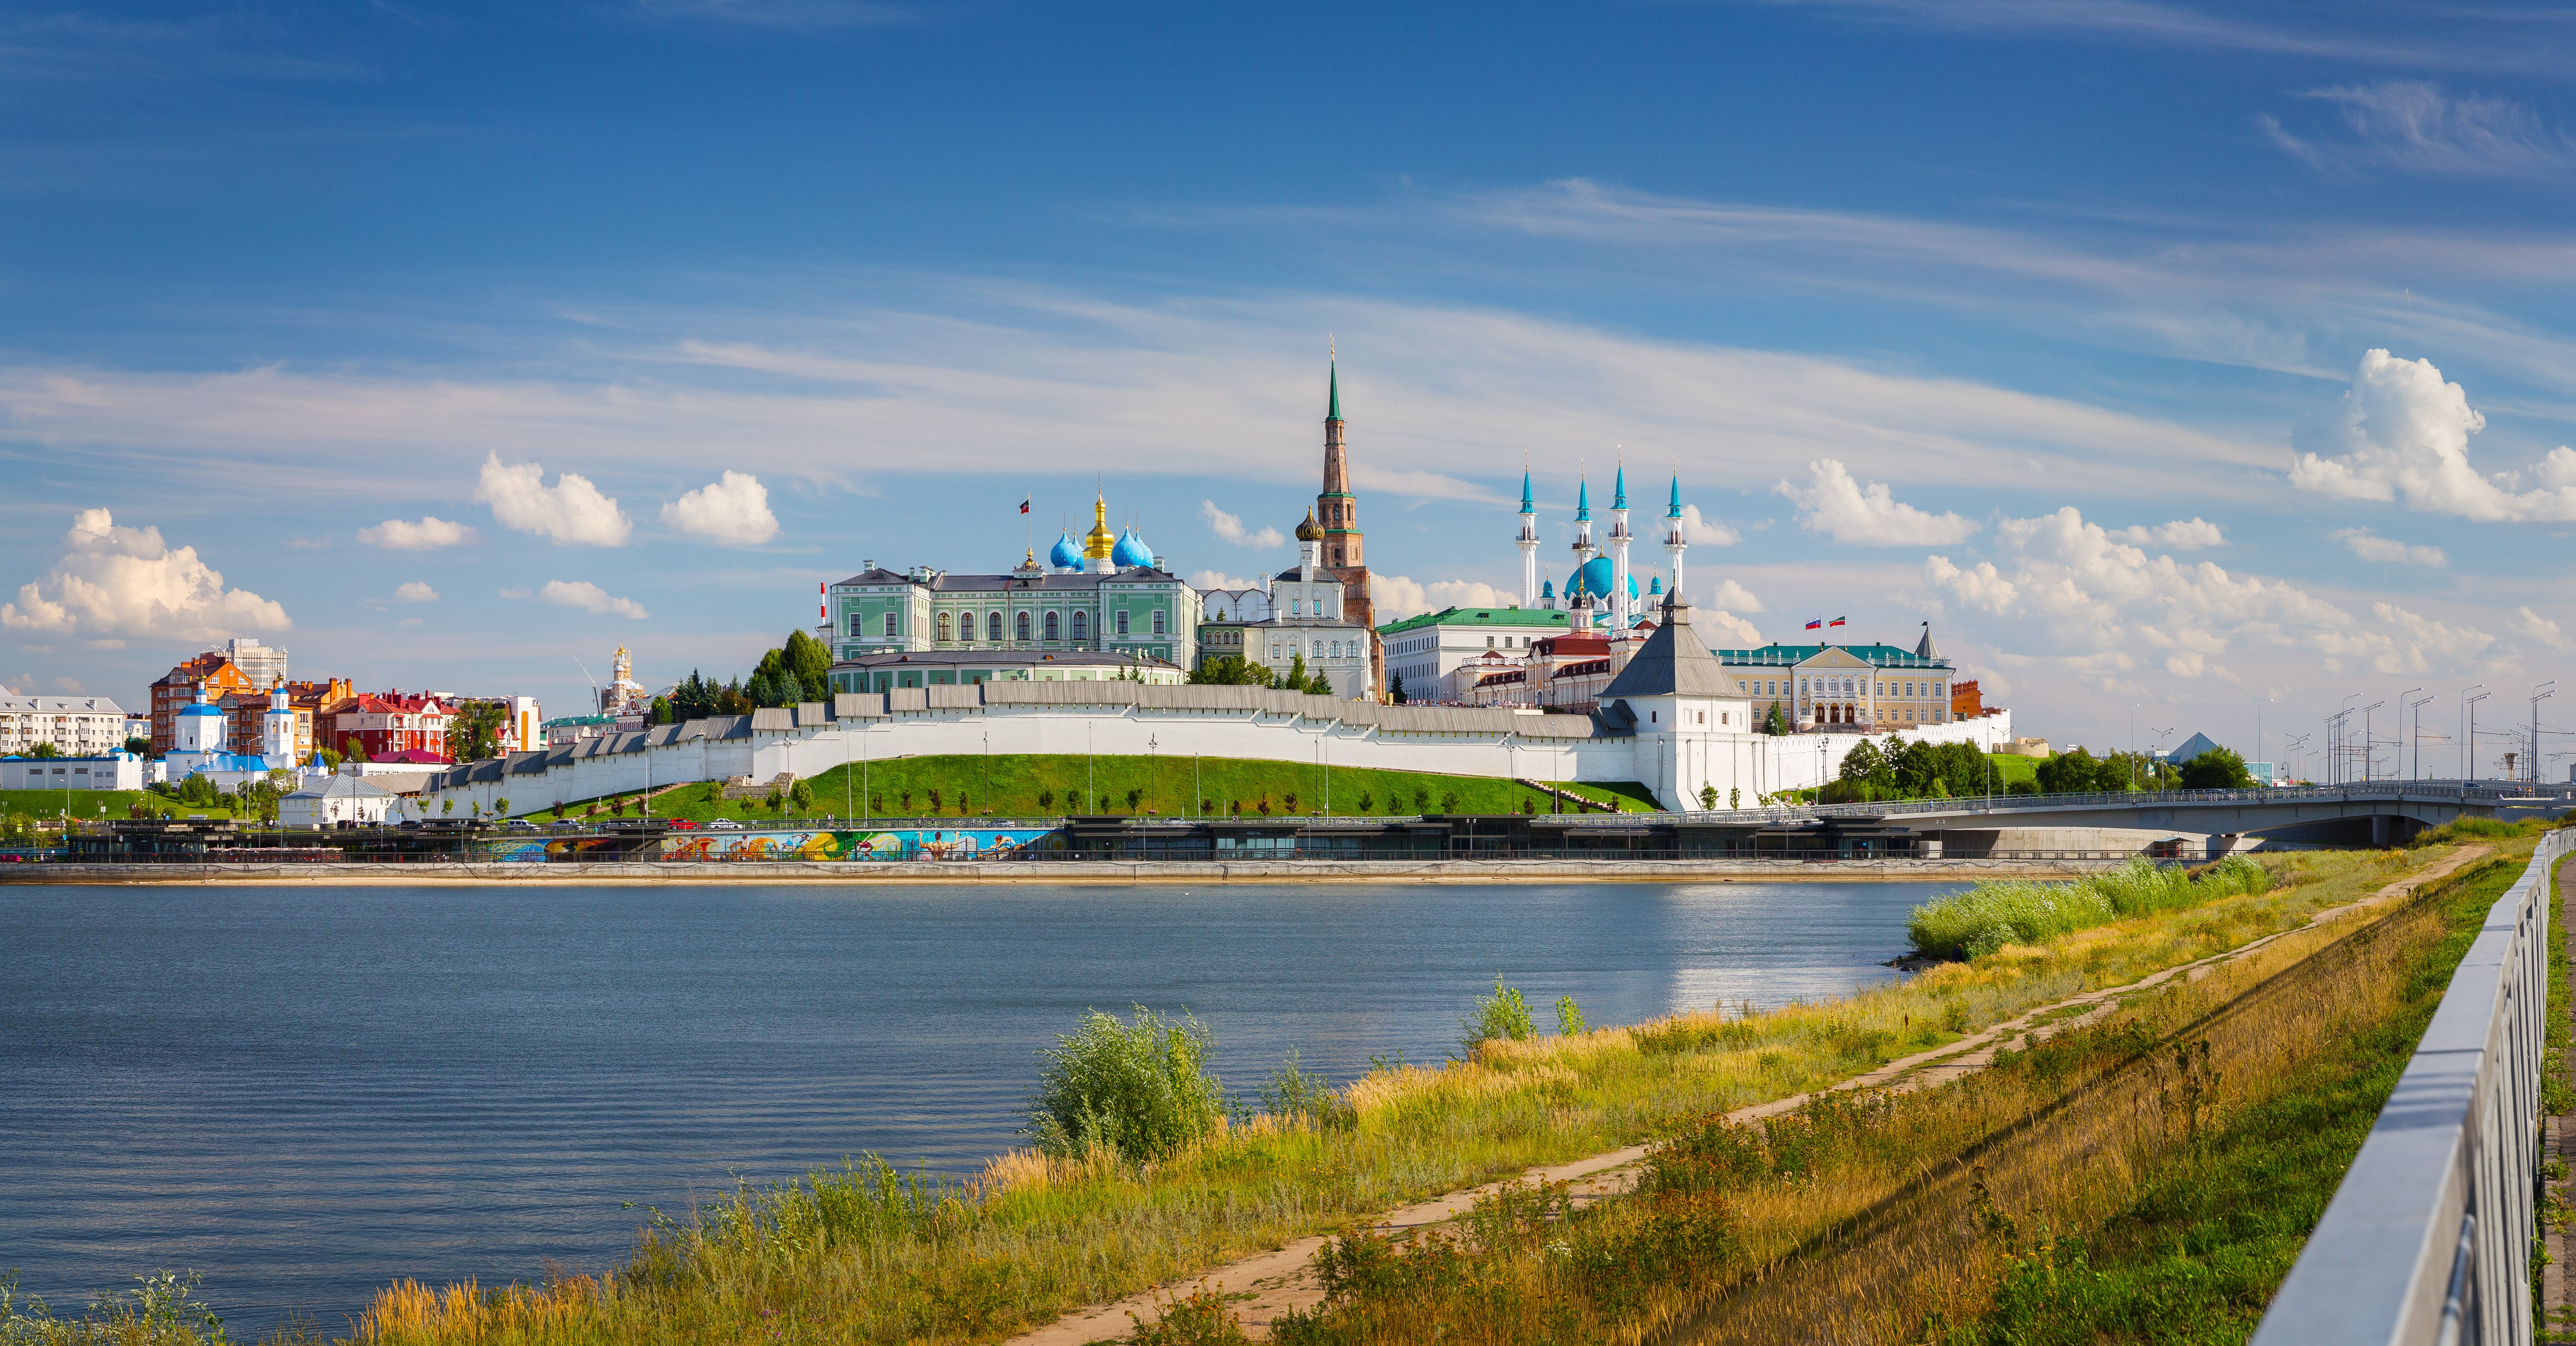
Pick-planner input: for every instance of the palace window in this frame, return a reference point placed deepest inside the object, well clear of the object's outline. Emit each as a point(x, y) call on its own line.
point(944, 631)
point(1082, 626)
point(889, 625)
point(855, 630)
point(1024, 625)
point(1158, 621)
point(1122, 621)
point(1051, 628)
point(993, 626)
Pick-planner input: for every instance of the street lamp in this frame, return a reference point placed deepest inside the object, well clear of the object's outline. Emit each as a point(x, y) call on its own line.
point(2401, 701)
point(2540, 691)
point(2415, 737)
point(2469, 738)
point(2365, 738)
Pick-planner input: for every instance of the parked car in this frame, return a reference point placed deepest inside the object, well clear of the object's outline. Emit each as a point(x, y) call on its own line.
point(520, 825)
point(726, 823)
point(682, 825)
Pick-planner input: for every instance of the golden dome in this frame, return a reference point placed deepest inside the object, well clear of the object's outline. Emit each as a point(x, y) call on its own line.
point(1307, 531)
point(1098, 543)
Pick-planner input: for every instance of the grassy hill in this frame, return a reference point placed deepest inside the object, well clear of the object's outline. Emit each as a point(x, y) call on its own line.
point(45, 805)
point(1014, 785)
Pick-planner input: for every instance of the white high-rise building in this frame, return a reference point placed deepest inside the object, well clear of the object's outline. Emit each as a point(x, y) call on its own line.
point(264, 665)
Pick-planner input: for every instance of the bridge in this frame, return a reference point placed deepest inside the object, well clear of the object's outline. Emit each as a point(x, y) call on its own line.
point(2373, 813)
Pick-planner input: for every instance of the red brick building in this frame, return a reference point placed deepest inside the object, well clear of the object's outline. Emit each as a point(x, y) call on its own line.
point(245, 710)
point(177, 690)
point(389, 722)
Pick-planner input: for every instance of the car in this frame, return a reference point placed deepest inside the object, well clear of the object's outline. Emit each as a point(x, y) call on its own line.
point(520, 825)
point(682, 825)
point(727, 823)
point(567, 825)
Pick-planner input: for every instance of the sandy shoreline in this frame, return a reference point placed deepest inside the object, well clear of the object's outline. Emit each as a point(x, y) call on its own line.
point(1061, 872)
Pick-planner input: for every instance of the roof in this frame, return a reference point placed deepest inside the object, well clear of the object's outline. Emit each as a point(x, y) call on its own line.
point(2191, 747)
point(203, 708)
point(58, 705)
point(1063, 583)
point(1333, 400)
point(1005, 659)
point(1782, 656)
point(1926, 649)
point(336, 786)
point(1477, 617)
point(413, 757)
point(1672, 662)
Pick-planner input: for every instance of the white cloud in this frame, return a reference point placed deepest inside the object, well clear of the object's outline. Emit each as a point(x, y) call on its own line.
point(416, 591)
point(1869, 516)
point(572, 510)
point(2414, 127)
point(109, 583)
point(1735, 597)
point(400, 535)
point(733, 510)
point(2074, 598)
point(2389, 550)
point(1697, 529)
point(2533, 627)
point(2190, 534)
point(1218, 579)
point(1398, 597)
point(410, 621)
point(1725, 630)
point(1230, 528)
point(2402, 430)
point(582, 594)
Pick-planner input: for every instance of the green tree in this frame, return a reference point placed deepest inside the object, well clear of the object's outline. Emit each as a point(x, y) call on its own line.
point(662, 710)
point(140, 747)
point(1708, 796)
point(2216, 769)
point(501, 807)
point(802, 793)
point(1231, 671)
point(1395, 688)
point(1776, 721)
point(809, 662)
point(2068, 773)
point(44, 750)
point(474, 730)
point(330, 759)
point(352, 750)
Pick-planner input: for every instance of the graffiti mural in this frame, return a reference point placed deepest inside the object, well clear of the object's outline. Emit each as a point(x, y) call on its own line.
point(925, 843)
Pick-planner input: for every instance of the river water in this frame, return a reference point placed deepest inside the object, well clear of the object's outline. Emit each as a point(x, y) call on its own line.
point(305, 1092)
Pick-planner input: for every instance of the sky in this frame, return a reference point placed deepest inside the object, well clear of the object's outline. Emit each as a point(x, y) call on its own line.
point(2178, 364)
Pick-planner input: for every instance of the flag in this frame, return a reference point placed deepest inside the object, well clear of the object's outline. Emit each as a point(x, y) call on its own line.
point(1835, 622)
point(1816, 625)
point(1024, 506)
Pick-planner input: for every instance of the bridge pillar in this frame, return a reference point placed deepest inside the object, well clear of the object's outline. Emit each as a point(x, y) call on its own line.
point(2379, 829)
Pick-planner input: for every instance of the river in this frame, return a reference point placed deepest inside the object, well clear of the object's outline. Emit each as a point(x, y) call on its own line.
point(305, 1092)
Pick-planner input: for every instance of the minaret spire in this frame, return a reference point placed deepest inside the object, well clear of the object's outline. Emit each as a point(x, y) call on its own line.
point(1621, 618)
point(1676, 541)
point(1528, 541)
point(1337, 516)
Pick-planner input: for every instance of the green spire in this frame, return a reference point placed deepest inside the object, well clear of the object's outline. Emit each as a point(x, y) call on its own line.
point(1333, 409)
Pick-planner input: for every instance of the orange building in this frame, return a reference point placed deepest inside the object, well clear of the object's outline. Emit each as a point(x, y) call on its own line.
point(244, 711)
point(1966, 702)
point(177, 690)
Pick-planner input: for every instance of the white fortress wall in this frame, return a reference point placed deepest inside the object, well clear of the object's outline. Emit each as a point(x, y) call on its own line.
point(1129, 719)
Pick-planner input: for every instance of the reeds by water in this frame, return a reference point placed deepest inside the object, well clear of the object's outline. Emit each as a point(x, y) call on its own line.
point(1997, 912)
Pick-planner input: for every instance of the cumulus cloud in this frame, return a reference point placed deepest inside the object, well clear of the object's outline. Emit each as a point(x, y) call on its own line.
point(2371, 547)
point(571, 510)
point(585, 595)
point(1230, 528)
point(1218, 579)
point(2402, 430)
point(733, 510)
point(1398, 597)
point(2533, 627)
point(2190, 534)
point(1698, 529)
point(401, 535)
point(416, 591)
point(1834, 504)
point(1735, 597)
point(109, 583)
point(1725, 630)
point(2082, 600)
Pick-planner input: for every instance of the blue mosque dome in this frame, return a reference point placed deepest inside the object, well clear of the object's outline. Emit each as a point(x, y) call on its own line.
point(1593, 577)
point(1547, 591)
point(1131, 551)
point(1655, 588)
point(1066, 554)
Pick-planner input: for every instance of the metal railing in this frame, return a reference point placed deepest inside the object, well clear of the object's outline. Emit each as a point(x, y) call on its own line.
point(2428, 1239)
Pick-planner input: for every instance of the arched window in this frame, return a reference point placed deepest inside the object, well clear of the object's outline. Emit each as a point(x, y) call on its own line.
point(1051, 630)
point(1023, 625)
point(1158, 621)
point(1082, 626)
point(993, 627)
point(889, 629)
point(944, 630)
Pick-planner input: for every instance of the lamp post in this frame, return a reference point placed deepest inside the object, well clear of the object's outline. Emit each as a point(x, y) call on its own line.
point(2540, 691)
point(2415, 738)
point(2365, 738)
point(2469, 739)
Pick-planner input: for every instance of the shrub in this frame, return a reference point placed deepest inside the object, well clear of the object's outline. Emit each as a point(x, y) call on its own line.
point(1303, 1095)
point(1139, 1089)
point(1046, 799)
point(1505, 1014)
point(1986, 917)
point(1368, 804)
point(1448, 801)
point(1569, 1017)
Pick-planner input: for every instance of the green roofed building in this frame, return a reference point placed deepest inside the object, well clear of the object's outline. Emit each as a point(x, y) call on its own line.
point(1425, 650)
point(1878, 686)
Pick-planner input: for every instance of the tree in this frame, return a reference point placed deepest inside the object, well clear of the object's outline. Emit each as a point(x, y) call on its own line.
point(809, 662)
point(803, 793)
point(44, 750)
point(1776, 722)
point(352, 750)
point(474, 730)
point(662, 710)
point(448, 805)
point(2068, 773)
point(1231, 671)
point(2216, 769)
point(501, 807)
point(140, 747)
point(1395, 688)
point(1708, 796)
point(330, 759)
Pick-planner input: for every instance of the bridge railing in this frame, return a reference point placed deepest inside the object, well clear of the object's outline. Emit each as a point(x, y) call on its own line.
point(2428, 1239)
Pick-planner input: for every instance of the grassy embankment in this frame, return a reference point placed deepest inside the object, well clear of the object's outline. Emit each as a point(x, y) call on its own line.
point(865, 1255)
point(47, 805)
point(1015, 785)
point(2148, 1177)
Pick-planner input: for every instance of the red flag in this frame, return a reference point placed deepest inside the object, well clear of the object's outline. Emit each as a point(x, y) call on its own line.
point(1024, 506)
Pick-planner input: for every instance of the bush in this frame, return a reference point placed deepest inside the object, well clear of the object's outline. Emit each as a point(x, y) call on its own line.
point(1569, 1017)
point(1139, 1089)
point(1986, 917)
point(1505, 1014)
point(1298, 1094)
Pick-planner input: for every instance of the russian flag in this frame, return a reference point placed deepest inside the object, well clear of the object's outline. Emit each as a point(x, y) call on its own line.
point(1816, 625)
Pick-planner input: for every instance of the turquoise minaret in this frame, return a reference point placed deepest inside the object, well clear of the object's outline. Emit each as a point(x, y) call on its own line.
point(1528, 544)
point(1676, 533)
point(1622, 619)
point(1583, 548)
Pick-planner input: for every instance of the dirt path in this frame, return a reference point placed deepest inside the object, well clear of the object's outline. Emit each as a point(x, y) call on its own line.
point(1272, 1282)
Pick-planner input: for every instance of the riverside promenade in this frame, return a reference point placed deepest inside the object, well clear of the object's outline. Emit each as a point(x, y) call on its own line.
point(865, 873)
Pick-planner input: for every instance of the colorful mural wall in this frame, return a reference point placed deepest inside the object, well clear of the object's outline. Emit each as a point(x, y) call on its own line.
point(923, 843)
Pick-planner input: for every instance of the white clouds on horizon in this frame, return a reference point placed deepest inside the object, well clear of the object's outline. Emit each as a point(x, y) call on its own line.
point(2370, 546)
point(585, 595)
point(2401, 430)
point(1398, 596)
point(732, 510)
point(429, 534)
point(1836, 505)
point(570, 511)
point(2192, 534)
point(1229, 527)
point(1736, 598)
point(109, 583)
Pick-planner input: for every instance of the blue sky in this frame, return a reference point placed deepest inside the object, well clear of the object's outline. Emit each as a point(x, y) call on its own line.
point(2049, 323)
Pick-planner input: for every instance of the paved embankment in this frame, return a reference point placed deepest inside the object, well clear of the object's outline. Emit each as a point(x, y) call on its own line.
point(1067, 871)
point(1261, 1287)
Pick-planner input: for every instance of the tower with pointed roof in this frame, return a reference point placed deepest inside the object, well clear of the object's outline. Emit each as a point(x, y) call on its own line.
point(1676, 540)
point(1337, 514)
point(1583, 548)
point(1621, 615)
point(1528, 544)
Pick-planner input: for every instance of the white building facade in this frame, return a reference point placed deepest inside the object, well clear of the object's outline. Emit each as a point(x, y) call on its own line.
point(77, 726)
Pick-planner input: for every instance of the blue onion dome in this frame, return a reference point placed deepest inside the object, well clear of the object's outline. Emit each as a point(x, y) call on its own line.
point(1131, 551)
point(1656, 587)
point(1593, 578)
point(1547, 589)
point(1066, 554)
